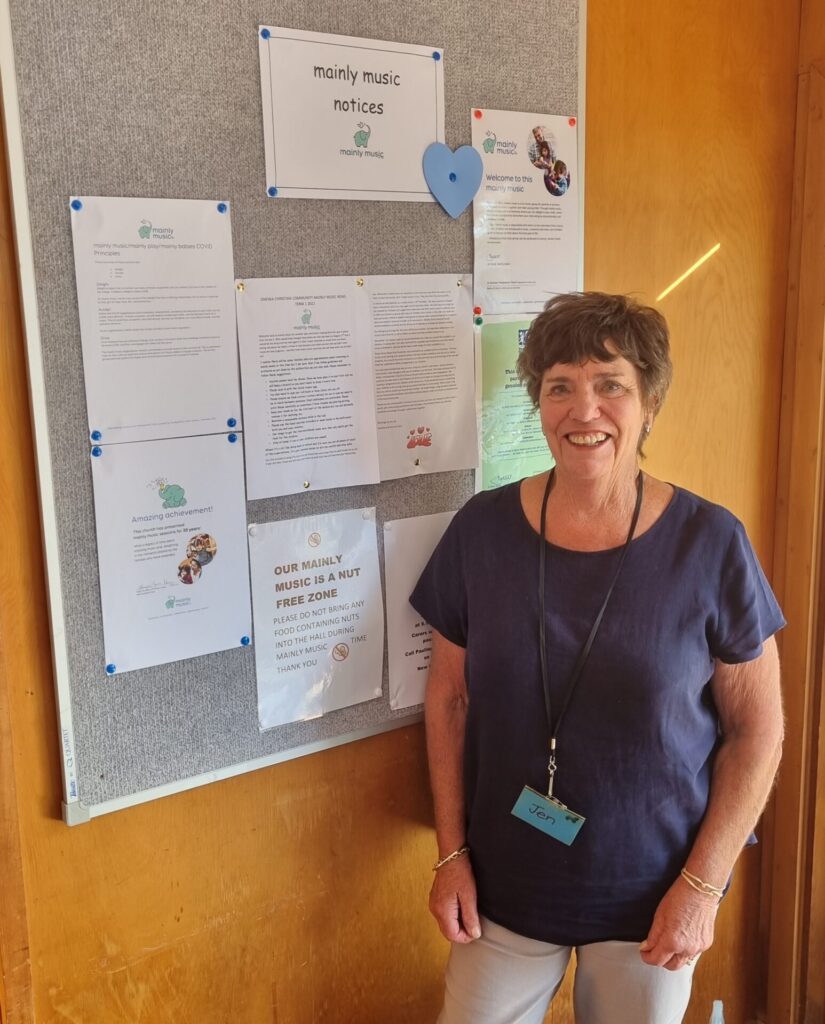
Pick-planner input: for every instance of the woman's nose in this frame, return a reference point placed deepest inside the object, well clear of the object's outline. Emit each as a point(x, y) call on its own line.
point(585, 405)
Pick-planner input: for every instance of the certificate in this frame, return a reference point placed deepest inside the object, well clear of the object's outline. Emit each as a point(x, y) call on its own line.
point(348, 118)
point(526, 213)
point(422, 339)
point(512, 445)
point(309, 401)
point(170, 517)
point(408, 544)
point(319, 619)
point(157, 317)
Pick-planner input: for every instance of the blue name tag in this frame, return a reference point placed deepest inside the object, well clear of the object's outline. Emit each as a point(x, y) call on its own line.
point(547, 815)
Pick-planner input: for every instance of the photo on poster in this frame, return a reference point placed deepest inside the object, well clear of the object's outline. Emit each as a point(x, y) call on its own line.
point(170, 518)
point(346, 117)
point(526, 213)
point(157, 317)
point(511, 443)
point(408, 545)
point(318, 614)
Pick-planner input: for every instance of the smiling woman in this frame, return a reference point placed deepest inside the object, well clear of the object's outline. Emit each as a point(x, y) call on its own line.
point(603, 709)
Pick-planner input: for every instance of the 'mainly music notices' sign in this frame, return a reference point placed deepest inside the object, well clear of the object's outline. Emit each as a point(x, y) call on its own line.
point(348, 118)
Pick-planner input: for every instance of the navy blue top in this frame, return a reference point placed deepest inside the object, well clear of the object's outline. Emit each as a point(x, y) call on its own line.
point(636, 748)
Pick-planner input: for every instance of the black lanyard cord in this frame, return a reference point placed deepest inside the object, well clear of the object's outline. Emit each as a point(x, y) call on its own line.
point(585, 651)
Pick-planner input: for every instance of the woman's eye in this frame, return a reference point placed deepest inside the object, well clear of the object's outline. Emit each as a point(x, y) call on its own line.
point(555, 390)
point(612, 387)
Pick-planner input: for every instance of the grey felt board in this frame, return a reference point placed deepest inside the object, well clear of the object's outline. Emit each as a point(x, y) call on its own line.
point(150, 99)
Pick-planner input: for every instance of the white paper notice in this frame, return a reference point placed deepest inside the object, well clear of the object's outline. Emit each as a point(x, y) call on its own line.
point(157, 316)
point(348, 118)
point(319, 621)
point(408, 544)
point(309, 400)
point(526, 213)
point(422, 336)
point(171, 536)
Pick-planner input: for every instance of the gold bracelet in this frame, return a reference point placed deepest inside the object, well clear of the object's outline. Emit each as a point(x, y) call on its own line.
point(451, 856)
point(704, 887)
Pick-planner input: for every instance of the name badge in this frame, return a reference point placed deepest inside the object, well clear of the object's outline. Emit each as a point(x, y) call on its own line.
point(547, 815)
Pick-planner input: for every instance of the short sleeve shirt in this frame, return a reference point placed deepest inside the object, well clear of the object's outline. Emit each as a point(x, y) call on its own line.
point(636, 747)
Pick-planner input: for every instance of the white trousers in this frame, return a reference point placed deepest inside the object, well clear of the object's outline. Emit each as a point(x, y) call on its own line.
point(505, 978)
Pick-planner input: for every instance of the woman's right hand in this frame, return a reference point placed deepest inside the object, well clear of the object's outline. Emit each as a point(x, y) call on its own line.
point(453, 901)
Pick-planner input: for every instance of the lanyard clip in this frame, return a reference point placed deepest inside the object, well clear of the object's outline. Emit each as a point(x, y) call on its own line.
point(551, 766)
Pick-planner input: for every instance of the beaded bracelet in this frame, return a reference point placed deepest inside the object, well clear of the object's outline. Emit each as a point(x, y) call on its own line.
point(704, 887)
point(451, 856)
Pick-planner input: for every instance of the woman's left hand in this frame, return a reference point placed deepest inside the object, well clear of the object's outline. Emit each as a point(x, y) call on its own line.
point(682, 928)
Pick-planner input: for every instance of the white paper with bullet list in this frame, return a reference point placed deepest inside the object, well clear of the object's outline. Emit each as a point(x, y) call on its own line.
point(307, 381)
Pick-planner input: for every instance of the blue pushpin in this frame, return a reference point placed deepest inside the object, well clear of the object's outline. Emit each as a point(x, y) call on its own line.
point(111, 669)
point(231, 438)
point(245, 641)
point(453, 176)
point(222, 207)
point(272, 191)
point(96, 435)
point(265, 33)
point(231, 422)
point(97, 451)
point(76, 204)
point(436, 55)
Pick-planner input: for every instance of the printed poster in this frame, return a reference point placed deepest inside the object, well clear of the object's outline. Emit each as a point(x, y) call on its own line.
point(408, 545)
point(157, 317)
point(318, 614)
point(422, 338)
point(170, 517)
point(512, 445)
point(348, 118)
point(526, 212)
point(309, 398)
point(348, 380)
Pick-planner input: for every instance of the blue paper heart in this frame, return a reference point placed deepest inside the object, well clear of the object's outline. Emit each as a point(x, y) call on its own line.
point(453, 178)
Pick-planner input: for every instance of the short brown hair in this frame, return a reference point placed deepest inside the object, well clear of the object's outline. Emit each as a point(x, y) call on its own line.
point(575, 327)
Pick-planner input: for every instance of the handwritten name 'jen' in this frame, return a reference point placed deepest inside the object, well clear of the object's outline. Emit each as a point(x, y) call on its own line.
point(540, 813)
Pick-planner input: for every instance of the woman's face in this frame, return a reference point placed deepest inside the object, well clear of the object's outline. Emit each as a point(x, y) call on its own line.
point(592, 416)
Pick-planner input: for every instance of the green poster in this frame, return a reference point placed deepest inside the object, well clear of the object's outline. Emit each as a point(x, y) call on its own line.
point(512, 444)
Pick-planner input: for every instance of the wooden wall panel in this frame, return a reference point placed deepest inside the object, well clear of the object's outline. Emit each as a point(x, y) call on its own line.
point(293, 895)
point(296, 894)
point(688, 107)
point(798, 563)
point(812, 34)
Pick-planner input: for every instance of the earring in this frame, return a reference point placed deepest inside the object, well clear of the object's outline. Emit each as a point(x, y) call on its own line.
point(646, 429)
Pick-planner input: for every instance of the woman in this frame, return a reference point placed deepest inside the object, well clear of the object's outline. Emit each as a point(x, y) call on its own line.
point(594, 782)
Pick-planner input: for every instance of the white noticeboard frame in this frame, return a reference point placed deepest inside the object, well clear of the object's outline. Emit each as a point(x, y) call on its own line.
point(348, 118)
point(74, 810)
